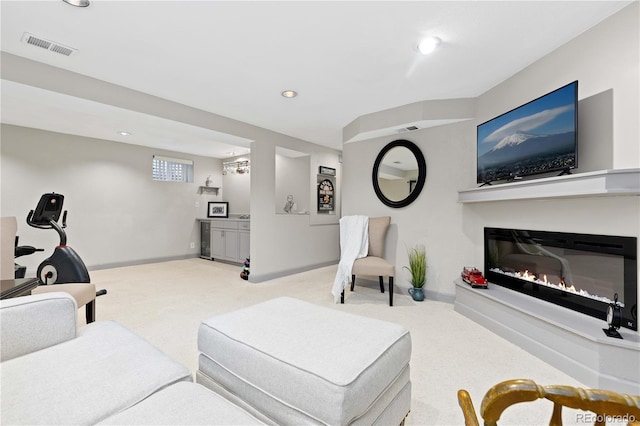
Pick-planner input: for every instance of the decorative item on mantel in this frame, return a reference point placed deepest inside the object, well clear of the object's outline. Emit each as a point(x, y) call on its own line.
point(472, 276)
point(613, 318)
point(208, 181)
point(418, 269)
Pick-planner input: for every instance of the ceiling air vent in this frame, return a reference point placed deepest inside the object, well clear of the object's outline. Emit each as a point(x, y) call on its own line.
point(48, 44)
point(407, 129)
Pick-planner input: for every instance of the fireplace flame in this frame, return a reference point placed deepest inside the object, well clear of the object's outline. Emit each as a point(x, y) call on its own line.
point(526, 275)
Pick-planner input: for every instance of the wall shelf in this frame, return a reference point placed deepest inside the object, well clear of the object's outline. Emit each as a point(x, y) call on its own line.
point(209, 190)
point(590, 184)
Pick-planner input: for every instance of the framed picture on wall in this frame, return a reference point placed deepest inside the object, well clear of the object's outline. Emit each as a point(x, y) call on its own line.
point(325, 195)
point(327, 171)
point(218, 209)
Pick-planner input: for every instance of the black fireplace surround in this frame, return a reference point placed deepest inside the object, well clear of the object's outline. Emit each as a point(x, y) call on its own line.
point(581, 272)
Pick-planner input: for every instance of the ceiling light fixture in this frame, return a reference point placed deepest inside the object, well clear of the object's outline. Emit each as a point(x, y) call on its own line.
point(122, 133)
point(428, 45)
point(289, 93)
point(78, 3)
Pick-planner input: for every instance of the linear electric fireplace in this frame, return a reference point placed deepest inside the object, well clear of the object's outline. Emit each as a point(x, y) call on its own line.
point(581, 272)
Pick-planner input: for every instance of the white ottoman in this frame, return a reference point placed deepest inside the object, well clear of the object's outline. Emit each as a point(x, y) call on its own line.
point(298, 363)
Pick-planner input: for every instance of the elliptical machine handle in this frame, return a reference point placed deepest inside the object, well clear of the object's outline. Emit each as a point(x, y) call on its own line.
point(25, 251)
point(35, 225)
point(52, 225)
point(60, 231)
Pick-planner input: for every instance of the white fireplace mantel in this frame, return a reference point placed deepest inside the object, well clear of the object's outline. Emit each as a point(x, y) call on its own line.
point(572, 342)
point(589, 184)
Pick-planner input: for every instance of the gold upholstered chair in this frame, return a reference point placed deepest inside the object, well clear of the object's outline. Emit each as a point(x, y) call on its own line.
point(374, 263)
point(602, 403)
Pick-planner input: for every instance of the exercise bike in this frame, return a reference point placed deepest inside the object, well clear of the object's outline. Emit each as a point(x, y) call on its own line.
point(64, 265)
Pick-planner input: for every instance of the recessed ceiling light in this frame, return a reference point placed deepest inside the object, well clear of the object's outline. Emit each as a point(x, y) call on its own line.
point(428, 45)
point(289, 93)
point(78, 3)
point(124, 133)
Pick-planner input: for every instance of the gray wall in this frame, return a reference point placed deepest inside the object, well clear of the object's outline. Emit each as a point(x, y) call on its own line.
point(292, 178)
point(276, 240)
point(605, 60)
point(289, 243)
point(117, 213)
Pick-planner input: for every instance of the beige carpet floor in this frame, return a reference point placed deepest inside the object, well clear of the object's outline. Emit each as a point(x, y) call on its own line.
point(165, 302)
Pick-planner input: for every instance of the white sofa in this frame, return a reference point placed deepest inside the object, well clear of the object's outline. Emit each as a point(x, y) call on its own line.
point(54, 373)
point(280, 362)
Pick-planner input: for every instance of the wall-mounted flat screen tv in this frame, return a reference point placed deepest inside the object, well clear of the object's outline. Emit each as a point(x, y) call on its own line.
point(540, 136)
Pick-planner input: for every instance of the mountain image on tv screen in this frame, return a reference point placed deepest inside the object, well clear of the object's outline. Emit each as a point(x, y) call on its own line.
point(537, 137)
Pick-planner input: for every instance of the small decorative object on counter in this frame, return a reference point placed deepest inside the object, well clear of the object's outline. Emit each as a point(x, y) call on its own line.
point(245, 270)
point(473, 277)
point(289, 206)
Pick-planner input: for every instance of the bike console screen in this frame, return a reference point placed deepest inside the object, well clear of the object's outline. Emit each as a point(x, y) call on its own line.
point(49, 208)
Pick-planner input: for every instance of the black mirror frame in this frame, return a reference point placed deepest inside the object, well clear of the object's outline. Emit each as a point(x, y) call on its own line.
point(422, 173)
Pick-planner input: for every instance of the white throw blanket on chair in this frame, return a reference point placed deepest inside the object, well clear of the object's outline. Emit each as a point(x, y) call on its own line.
point(354, 244)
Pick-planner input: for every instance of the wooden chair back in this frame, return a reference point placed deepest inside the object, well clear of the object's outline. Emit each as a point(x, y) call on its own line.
point(604, 404)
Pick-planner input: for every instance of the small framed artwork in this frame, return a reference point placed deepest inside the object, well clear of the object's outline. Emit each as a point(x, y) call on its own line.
point(326, 171)
point(218, 209)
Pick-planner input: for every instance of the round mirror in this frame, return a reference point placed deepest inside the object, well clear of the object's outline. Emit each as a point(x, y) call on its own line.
point(399, 173)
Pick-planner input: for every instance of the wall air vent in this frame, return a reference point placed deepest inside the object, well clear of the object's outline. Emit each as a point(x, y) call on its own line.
point(48, 44)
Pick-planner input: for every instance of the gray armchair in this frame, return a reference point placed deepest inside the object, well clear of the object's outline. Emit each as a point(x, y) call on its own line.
point(374, 263)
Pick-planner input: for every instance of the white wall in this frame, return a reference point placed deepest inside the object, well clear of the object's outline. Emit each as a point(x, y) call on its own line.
point(292, 178)
point(279, 244)
point(434, 219)
point(605, 60)
point(117, 213)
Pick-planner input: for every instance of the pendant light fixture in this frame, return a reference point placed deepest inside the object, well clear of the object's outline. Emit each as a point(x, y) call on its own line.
point(78, 3)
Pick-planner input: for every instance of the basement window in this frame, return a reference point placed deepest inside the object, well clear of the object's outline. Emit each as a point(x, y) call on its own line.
point(171, 169)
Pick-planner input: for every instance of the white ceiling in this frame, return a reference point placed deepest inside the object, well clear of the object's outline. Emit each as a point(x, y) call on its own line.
point(233, 58)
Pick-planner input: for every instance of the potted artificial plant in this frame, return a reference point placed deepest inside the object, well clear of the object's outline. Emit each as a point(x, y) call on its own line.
point(418, 269)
